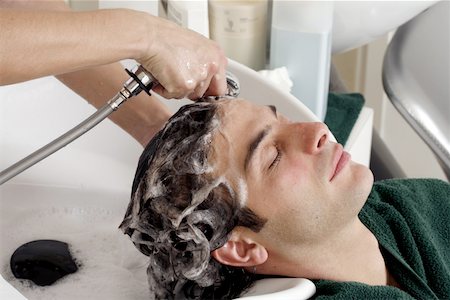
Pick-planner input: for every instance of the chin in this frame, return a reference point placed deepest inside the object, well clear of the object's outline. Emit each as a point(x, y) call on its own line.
point(363, 178)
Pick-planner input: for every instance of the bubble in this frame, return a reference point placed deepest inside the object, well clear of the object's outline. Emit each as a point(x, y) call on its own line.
point(109, 266)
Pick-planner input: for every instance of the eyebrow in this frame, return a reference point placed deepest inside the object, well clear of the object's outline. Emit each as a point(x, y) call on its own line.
point(258, 139)
point(273, 108)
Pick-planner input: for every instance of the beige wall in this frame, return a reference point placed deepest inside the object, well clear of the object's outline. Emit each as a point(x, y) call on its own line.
point(361, 71)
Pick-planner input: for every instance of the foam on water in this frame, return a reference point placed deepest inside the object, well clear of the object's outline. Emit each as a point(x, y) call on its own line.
point(110, 267)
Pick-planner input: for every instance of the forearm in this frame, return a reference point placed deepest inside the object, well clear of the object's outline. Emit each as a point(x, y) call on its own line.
point(141, 116)
point(44, 38)
point(40, 43)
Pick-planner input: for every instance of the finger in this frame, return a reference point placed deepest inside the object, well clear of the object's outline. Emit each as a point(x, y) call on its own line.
point(173, 94)
point(218, 83)
point(199, 91)
point(179, 85)
point(196, 85)
point(201, 88)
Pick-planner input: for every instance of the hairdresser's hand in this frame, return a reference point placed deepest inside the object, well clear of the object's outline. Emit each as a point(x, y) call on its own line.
point(185, 63)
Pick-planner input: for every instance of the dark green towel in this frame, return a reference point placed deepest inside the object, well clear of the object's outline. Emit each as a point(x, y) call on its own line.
point(342, 112)
point(411, 220)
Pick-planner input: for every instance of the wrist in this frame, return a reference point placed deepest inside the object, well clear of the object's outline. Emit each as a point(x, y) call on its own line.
point(131, 31)
point(146, 27)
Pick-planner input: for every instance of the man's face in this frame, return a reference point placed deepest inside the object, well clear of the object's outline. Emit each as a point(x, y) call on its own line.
point(303, 184)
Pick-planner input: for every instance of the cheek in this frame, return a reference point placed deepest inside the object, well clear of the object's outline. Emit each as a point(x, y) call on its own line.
point(292, 172)
point(298, 179)
point(300, 198)
point(280, 185)
point(306, 195)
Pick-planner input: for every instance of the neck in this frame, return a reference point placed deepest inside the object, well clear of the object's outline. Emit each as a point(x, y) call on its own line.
point(351, 255)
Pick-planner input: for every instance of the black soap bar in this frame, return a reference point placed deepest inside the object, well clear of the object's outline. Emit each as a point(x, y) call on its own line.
point(42, 261)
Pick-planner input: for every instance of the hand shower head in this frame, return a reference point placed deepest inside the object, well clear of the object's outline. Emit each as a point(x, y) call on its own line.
point(141, 80)
point(233, 86)
point(233, 89)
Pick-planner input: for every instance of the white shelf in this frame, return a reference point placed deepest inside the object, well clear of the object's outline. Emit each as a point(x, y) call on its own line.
point(359, 141)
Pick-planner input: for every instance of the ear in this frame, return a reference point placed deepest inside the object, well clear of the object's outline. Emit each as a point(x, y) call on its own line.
point(241, 252)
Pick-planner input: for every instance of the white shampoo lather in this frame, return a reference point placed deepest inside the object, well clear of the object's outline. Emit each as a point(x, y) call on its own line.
point(301, 41)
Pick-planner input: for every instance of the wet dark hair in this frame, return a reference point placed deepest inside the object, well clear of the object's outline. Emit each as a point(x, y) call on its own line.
point(179, 212)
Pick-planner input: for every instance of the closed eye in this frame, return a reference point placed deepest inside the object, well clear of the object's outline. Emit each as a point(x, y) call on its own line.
point(277, 158)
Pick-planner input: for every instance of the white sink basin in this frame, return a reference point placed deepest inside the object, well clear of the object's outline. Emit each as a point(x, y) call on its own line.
point(79, 194)
point(356, 23)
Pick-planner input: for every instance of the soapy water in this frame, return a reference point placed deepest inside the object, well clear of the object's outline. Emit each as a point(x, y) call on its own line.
point(109, 266)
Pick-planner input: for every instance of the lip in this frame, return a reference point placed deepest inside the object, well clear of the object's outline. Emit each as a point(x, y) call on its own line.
point(341, 158)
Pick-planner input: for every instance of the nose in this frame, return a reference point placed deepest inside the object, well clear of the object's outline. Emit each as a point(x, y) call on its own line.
point(313, 136)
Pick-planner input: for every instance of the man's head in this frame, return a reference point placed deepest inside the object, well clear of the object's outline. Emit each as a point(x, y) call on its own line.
point(236, 183)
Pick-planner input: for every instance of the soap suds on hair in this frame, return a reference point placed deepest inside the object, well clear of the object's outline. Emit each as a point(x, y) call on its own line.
point(183, 206)
point(177, 209)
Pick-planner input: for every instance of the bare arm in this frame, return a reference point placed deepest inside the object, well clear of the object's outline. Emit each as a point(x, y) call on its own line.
point(46, 38)
point(141, 117)
point(38, 41)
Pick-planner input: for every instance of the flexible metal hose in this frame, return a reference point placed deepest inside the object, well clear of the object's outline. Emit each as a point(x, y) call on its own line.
point(140, 80)
point(55, 145)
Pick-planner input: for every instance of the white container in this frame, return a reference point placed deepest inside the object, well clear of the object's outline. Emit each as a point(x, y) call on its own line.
point(301, 41)
point(240, 28)
point(192, 14)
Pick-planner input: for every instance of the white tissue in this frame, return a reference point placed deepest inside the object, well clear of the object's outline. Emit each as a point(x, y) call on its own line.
point(279, 77)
